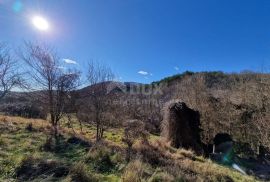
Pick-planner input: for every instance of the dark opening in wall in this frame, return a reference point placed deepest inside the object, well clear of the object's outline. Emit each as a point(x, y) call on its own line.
point(182, 127)
point(223, 143)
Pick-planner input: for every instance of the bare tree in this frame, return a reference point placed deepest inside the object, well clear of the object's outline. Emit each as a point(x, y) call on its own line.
point(9, 76)
point(134, 130)
point(49, 79)
point(96, 110)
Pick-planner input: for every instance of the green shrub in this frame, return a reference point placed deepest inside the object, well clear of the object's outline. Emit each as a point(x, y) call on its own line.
point(80, 173)
point(100, 158)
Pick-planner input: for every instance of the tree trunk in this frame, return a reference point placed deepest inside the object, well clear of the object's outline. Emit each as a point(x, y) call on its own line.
point(55, 128)
point(128, 155)
point(97, 132)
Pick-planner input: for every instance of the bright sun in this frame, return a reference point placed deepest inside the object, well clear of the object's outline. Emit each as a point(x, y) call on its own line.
point(40, 23)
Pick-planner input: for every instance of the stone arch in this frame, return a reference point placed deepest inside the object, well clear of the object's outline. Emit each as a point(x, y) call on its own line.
point(222, 143)
point(221, 138)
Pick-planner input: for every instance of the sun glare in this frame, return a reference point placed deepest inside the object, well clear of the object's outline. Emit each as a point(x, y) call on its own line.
point(40, 23)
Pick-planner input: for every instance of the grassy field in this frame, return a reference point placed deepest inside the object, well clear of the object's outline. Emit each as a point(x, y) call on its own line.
point(28, 154)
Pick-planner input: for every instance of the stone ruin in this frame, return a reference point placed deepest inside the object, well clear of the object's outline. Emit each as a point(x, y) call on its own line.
point(181, 127)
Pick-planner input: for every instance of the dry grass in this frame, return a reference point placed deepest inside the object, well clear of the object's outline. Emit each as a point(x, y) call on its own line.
point(186, 164)
point(162, 176)
point(134, 172)
point(12, 121)
point(20, 120)
point(112, 136)
point(154, 160)
point(80, 173)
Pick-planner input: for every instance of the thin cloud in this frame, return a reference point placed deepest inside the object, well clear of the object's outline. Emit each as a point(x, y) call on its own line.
point(117, 79)
point(61, 67)
point(143, 72)
point(69, 61)
point(176, 68)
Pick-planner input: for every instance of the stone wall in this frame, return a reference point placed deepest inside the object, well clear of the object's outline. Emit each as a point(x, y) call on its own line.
point(181, 127)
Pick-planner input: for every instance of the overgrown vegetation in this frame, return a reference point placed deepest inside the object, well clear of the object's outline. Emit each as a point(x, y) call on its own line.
point(22, 158)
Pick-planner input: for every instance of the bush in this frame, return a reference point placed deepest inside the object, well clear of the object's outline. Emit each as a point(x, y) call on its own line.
point(57, 145)
point(152, 154)
point(136, 171)
point(100, 157)
point(79, 173)
point(117, 158)
point(78, 141)
point(29, 127)
point(48, 145)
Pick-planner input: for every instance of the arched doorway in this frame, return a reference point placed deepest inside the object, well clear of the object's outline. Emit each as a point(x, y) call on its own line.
point(223, 143)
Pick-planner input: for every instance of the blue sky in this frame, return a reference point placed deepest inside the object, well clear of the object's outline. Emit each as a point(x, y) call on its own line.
point(146, 40)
